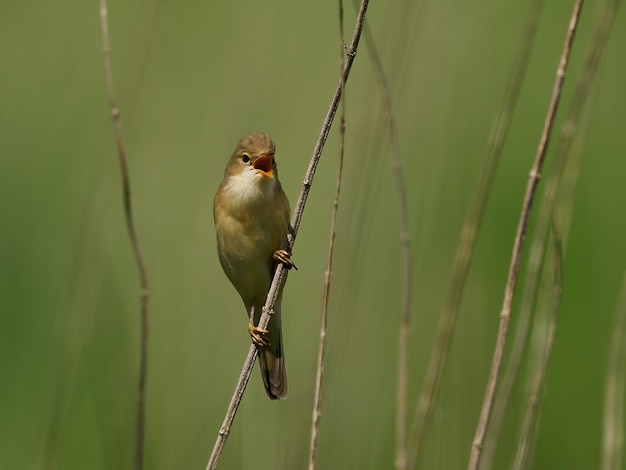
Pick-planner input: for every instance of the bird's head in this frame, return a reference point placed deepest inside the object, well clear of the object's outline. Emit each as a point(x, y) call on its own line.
point(254, 158)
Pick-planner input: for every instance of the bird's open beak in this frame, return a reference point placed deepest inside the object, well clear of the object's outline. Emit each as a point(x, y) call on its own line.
point(264, 164)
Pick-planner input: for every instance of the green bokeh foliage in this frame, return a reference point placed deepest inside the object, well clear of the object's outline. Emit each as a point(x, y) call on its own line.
point(191, 78)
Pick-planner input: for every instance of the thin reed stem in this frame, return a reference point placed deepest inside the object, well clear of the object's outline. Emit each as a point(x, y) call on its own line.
point(535, 260)
point(529, 427)
point(317, 402)
point(469, 233)
point(280, 272)
point(134, 238)
point(405, 243)
point(613, 429)
point(518, 244)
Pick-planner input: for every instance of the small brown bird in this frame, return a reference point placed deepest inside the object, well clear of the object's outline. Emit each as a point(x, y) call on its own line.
point(251, 214)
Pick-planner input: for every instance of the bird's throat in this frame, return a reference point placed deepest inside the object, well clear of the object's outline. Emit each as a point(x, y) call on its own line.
point(249, 189)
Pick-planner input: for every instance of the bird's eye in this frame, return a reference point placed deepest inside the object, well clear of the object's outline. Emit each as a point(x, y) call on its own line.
point(245, 158)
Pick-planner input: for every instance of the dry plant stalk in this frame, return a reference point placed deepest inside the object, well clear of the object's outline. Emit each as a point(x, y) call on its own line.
point(518, 244)
point(613, 429)
point(529, 427)
point(280, 273)
point(317, 401)
point(132, 233)
point(407, 269)
point(613, 432)
point(465, 250)
point(535, 260)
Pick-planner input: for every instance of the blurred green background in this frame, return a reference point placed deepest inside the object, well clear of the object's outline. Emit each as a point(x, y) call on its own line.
point(191, 77)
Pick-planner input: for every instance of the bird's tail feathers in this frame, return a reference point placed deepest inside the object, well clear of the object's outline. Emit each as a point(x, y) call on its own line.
point(273, 369)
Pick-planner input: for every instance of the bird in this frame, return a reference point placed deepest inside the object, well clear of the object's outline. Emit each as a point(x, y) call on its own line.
point(251, 214)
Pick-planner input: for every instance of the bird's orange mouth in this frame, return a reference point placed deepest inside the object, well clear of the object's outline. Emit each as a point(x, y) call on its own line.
point(263, 164)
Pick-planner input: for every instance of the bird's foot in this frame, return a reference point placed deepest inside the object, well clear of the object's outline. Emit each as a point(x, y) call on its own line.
point(284, 257)
point(257, 335)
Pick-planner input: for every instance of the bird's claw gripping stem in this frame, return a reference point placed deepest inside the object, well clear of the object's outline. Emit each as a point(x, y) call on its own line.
point(257, 335)
point(284, 257)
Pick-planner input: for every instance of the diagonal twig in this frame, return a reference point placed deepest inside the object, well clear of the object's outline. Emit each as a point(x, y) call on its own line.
point(469, 233)
point(613, 429)
point(295, 223)
point(535, 259)
point(317, 401)
point(405, 241)
point(529, 426)
point(518, 244)
point(134, 238)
